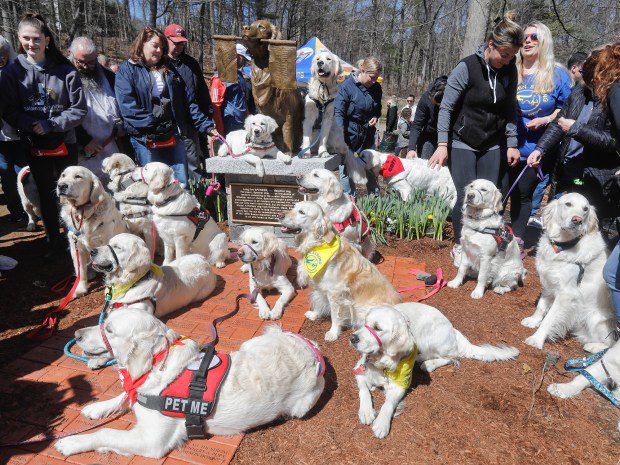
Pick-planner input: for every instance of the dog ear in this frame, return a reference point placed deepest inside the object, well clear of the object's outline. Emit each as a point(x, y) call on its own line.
point(320, 228)
point(160, 179)
point(401, 343)
point(338, 69)
point(275, 32)
point(592, 221)
point(108, 165)
point(247, 124)
point(97, 194)
point(334, 189)
point(497, 201)
point(270, 245)
point(140, 355)
point(139, 257)
point(271, 124)
point(548, 213)
point(313, 65)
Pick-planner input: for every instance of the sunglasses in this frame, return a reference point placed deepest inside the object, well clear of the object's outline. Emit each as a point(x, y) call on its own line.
point(533, 36)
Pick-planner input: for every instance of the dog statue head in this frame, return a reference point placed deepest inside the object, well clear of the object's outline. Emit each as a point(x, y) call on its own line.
point(569, 216)
point(79, 187)
point(259, 129)
point(252, 35)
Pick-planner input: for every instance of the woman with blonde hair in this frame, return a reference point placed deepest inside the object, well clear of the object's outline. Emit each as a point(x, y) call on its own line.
point(543, 88)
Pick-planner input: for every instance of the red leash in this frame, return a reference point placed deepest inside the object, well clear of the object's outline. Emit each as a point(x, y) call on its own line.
point(436, 287)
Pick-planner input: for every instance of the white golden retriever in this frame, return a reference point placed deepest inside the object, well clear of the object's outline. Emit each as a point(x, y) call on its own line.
point(267, 259)
point(347, 285)
point(90, 217)
point(254, 142)
point(172, 207)
point(273, 375)
point(489, 252)
point(29, 196)
point(322, 91)
point(126, 263)
point(130, 195)
point(570, 257)
point(416, 176)
point(324, 188)
point(390, 335)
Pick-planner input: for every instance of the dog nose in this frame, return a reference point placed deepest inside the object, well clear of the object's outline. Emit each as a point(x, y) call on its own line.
point(93, 253)
point(299, 177)
point(470, 196)
point(79, 334)
point(577, 220)
point(320, 63)
point(240, 252)
point(256, 131)
point(62, 187)
point(354, 339)
point(281, 215)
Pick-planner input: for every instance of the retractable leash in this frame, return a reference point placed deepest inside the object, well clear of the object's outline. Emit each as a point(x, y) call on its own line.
point(539, 173)
point(436, 286)
point(579, 365)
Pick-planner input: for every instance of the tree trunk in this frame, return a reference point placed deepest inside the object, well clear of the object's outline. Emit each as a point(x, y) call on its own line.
point(476, 26)
point(153, 13)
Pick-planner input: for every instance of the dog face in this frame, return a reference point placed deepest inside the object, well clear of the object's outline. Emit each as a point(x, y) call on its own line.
point(117, 163)
point(260, 29)
point(571, 213)
point(156, 175)
point(305, 217)
point(259, 128)
point(482, 194)
point(325, 66)
point(78, 186)
point(125, 253)
point(322, 182)
point(257, 244)
point(392, 329)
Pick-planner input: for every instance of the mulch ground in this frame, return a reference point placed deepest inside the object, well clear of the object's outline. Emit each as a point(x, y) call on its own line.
point(482, 413)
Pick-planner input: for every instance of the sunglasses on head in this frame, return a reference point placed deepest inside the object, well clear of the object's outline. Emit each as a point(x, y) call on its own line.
point(533, 36)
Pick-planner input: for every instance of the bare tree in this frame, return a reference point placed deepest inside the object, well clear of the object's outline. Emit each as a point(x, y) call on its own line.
point(477, 18)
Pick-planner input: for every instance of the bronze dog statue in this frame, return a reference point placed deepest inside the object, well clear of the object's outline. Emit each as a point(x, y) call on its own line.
point(283, 105)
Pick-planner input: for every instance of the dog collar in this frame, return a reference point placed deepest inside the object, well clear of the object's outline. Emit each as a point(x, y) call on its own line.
point(316, 258)
point(263, 147)
point(116, 291)
point(375, 335)
point(272, 260)
point(561, 246)
point(316, 352)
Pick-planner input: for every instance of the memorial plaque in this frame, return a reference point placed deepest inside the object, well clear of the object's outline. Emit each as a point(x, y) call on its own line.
point(262, 203)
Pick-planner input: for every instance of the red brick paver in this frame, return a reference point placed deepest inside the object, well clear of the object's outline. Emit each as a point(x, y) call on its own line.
point(49, 388)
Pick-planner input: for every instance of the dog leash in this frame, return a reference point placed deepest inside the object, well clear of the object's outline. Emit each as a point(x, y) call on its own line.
point(539, 173)
point(579, 365)
point(302, 152)
point(440, 283)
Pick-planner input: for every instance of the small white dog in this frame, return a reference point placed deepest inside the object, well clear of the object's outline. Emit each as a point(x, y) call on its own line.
point(130, 195)
point(391, 340)
point(90, 217)
point(254, 143)
point(322, 91)
point(267, 259)
point(344, 283)
point(570, 257)
point(489, 250)
point(179, 221)
point(274, 375)
point(416, 175)
point(29, 196)
point(324, 188)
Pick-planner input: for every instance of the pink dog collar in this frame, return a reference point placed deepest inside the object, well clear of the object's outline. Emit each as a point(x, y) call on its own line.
point(316, 352)
point(374, 333)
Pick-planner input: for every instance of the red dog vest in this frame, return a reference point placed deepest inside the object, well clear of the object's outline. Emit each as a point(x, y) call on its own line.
point(352, 221)
point(392, 166)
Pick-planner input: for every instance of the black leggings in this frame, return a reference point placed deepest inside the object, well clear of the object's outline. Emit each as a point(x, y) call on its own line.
point(46, 171)
point(466, 166)
point(521, 197)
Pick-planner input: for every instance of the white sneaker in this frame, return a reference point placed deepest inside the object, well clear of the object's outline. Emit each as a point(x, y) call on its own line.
point(455, 254)
point(535, 222)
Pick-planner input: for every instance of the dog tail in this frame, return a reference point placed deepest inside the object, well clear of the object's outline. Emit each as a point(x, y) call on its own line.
point(484, 352)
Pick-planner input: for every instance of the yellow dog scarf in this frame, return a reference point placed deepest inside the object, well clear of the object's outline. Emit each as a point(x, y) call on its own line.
point(114, 291)
point(317, 257)
point(402, 373)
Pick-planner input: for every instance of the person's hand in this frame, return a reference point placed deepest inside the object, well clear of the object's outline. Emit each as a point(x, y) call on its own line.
point(513, 156)
point(565, 124)
point(93, 148)
point(439, 158)
point(373, 121)
point(213, 132)
point(411, 154)
point(534, 159)
point(38, 129)
point(537, 123)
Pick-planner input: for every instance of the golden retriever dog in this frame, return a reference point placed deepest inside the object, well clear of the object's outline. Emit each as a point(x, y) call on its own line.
point(254, 142)
point(266, 258)
point(90, 217)
point(174, 211)
point(346, 284)
point(324, 187)
point(570, 257)
point(277, 374)
point(489, 250)
point(322, 90)
point(416, 176)
point(29, 197)
point(392, 339)
point(130, 195)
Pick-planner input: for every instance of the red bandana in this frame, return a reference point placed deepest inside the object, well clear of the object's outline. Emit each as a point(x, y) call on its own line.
point(393, 165)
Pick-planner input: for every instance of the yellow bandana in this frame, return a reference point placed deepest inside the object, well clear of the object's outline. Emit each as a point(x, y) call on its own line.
point(402, 373)
point(112, 292)
point(317, 257)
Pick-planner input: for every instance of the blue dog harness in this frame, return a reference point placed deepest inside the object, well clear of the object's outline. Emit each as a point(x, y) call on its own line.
point(577, 365)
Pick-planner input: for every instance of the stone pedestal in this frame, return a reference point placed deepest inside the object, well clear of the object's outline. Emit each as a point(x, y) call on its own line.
point(276, 174)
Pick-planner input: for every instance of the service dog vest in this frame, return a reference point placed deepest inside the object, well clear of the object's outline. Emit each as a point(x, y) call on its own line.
point(392, 166)
point(352, 221)
point(503, 236)
point(401, 375)
point(317, 257)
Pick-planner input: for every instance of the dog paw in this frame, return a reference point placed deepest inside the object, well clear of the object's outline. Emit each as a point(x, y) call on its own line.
point(501, 290)
point(381, 427)
point(32, 227)
point(264, 313)
point(366, 415)
point(535, 341)
point(594, 347)
point(323, 153)
point(276, 312)
point(220, 264)
point(286, 159)
point(94, 412)
point(97, 362)
point(311, 315)
point(80, 291)
point(454, 284)
point(244, 268)
point(70, 445)
point(561, 390)
point(530, 322)
point(331, 336)
point(477, 293)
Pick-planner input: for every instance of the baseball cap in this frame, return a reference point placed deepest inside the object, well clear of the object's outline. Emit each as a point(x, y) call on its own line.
point(175, 33)
point(241, 50)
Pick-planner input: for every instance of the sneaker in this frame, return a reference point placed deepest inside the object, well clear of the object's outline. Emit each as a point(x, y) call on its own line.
point(535, 222)
point(455, 254)
point(521, 247)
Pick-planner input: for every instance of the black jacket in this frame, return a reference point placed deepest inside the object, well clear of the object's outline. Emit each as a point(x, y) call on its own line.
point(599, 146)
point(391, 118)
point(424, 126)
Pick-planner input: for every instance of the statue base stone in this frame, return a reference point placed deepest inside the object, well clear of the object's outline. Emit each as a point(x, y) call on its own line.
point(254, 201)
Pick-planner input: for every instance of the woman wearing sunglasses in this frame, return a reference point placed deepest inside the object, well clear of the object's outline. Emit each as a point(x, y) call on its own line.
point(543, 88)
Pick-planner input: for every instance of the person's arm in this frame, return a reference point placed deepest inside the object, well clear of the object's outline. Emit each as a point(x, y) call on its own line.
point(587, 134)
point(553, 134)
point(341, 109)
point(132, 113)
point(512, 111)
point(75, 113)
point(613, 105)
point(420, 120)
point(14, 113)
point(378, 98)
point(403, 129)
point(455, 87)
point(202, 122)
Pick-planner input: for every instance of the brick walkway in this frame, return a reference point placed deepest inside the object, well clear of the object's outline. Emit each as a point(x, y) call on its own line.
point(49, 389)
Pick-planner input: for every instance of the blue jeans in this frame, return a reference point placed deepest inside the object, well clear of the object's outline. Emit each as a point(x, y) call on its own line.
point(174, 157)
point(611, 274)
point(538, 195)
point(348, 186)
point(12, 159)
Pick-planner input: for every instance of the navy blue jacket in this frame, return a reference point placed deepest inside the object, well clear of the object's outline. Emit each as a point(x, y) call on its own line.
point(355, 105)
point(133, 94)
point(192, 76)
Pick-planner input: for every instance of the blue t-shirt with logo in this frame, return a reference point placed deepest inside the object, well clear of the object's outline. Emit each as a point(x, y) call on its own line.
point(535, 105)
